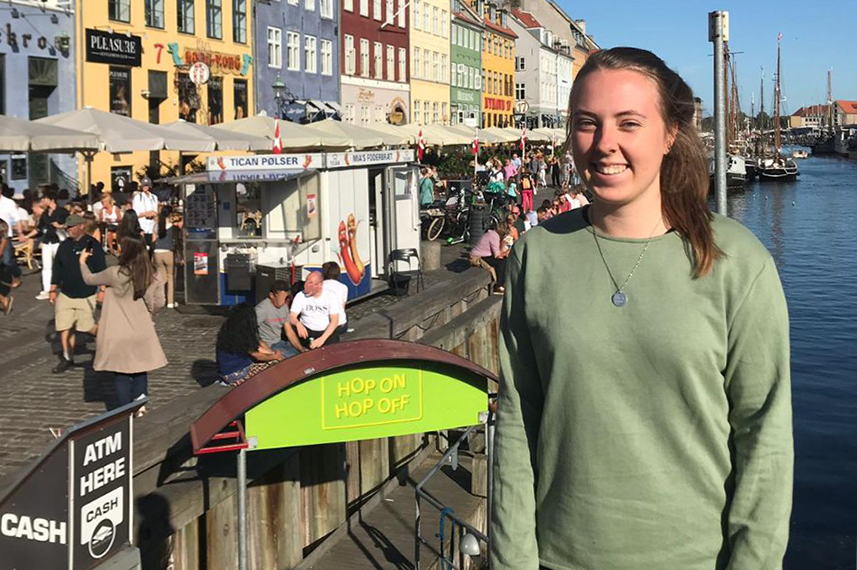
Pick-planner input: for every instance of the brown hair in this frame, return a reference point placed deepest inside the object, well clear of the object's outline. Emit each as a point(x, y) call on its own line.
point(135, 263)
point(684, 170)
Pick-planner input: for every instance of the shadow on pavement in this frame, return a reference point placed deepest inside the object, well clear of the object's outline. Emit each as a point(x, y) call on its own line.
point(204, 371)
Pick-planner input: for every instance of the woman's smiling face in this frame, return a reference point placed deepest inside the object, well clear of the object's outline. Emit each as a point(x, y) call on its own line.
point(619, 137)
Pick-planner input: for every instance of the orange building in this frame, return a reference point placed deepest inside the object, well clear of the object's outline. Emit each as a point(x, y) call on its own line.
point(498, 66)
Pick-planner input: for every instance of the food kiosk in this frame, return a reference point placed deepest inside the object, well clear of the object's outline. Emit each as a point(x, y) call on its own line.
point(252, 218)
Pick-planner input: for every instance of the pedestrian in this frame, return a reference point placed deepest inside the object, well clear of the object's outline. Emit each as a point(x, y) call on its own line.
point(14, 223)
point(6, 298)
point(127, 344)
point(331, 272)
point(509, 171)
point(648, 424)
point(516, 161)
point(146, 205)
point(527, 189)
point(314, 315)
point(272, 314)
point(542, 172)
point(165, 253)
point(240, 352)
point(426, 188)
point(73, 299)
point(129, 226)
point(555, 171)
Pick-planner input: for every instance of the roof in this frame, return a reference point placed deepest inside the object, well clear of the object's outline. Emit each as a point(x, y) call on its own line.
point(498, 28)
point(466, 17)
point(527, 19)
point(848, 107)
point(811, 111)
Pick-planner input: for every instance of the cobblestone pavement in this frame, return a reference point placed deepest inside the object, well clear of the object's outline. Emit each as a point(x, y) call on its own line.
point(33, 400)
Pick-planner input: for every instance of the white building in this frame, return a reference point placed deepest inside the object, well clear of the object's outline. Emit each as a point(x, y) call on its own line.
point(540, 59)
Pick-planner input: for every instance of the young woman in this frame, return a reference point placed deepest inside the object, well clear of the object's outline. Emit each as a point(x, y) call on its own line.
point(110, 215)
point(240, 351)
point(127, 344)
point(490, 252)
point(128, 227)
point(527, 189)
point(165, 248)
point(648, 425)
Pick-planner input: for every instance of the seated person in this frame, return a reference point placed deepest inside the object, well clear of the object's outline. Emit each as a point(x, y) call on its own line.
point(272, 314)
point(240, 351)
point(490, 253)
point(332, 284)
point(314, 315)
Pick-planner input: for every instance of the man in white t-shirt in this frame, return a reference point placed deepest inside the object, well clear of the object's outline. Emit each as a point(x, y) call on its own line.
point(331, 272)
point(146, 205)
point(314, 315)
point(9, 214)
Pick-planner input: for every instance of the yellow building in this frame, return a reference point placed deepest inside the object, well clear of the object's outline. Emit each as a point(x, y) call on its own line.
point(430, 59)
point(138, 59)
point(498, 68)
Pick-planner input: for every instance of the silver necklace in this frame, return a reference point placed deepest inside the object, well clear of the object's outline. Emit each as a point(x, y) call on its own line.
point(620, 298)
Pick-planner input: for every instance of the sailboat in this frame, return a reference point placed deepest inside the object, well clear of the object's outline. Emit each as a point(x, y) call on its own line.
point(777, 167)
point(736, 171)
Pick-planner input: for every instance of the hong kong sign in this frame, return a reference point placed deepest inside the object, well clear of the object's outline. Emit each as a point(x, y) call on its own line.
point(118, 49)
point(43, 526)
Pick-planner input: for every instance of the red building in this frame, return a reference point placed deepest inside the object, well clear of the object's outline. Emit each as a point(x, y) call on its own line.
point(374, 56)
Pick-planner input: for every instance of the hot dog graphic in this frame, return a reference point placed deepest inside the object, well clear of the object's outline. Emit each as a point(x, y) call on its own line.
point(352, 236)
point(220, 163)
point(307, 160)
point(345, 255)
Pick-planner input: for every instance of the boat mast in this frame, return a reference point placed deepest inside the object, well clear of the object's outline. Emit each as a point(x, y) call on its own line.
point(777, 102)
point(830, 100)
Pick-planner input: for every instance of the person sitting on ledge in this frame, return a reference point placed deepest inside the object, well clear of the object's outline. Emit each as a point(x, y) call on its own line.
point(314, 315)
point(240, 352)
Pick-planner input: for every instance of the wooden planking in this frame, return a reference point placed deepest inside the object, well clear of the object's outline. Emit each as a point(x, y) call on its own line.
point(185, 548)
point(274, 512)
point(374, 464)
point(322, 469)
point(221, 535)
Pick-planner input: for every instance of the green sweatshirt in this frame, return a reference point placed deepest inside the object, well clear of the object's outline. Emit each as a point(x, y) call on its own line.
point(655, 436)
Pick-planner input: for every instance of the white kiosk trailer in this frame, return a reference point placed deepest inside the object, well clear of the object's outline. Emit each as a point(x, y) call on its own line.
point(255, 218)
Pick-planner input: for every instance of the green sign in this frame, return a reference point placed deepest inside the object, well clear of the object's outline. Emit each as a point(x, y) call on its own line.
point(366, 403)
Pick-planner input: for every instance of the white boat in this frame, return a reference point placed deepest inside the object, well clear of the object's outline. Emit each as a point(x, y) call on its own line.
point(799, 154)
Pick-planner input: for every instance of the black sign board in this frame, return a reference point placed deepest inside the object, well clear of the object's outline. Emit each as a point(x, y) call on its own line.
point(118, 49)
point(41, 526)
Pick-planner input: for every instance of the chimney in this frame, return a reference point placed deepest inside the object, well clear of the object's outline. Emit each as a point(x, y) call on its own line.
point(582, 25)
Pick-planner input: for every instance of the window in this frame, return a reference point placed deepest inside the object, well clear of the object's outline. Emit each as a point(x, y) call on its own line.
point(379, 65)
point(119, 10)
point(520, 91)
point(426, 64)
point(326, 7)
point(426, 117)
point(402, 8)
point(293, 54)
point(214, 19)
point(520, 64)
point(189, 101)
point(418, 23)
point(120, 91)
point(403, 66)
point(376, 9)
point(416, 70)
point(364, 58)
point(185, 16)
point(444, 76)
point(310, 54)
point(453, 80)
point(2, 84)
point(388, 17)
point(454, 35)
point(426, 19)
point(350, 56)
point(275, 47)
point(349, 113)
point(364, 114)
point(309, 5)
point(417, 110)
point(155, 13)
point(444, 25)
point(239, 96)
point(215, 100)
point(435, 66)
point(239, 21)
point(326, 57)
point(364, 7)
point(391, 63)
point(444, 112)
point(379, 115)
point(435, 28)
point(435, 117)
point(292, 2)
point(348, 5)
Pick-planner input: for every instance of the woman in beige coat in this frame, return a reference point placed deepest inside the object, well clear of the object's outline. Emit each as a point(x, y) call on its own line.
point(127, 343)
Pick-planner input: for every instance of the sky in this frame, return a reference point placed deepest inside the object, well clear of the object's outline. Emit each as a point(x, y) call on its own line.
point(817, 36)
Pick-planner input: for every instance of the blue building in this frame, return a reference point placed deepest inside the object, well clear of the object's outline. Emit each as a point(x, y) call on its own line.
point(37, 79)
point(297, 45)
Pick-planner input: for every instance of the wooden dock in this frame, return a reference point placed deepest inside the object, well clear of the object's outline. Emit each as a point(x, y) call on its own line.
point(383, 538)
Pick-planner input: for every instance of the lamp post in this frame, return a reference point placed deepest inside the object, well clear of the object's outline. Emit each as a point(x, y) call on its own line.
point(282, 96)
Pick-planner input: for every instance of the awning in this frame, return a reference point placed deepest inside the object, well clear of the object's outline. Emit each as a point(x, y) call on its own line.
point(296, 111)
point(226, 176)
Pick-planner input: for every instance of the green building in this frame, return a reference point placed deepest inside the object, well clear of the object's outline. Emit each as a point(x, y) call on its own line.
point(466, 72)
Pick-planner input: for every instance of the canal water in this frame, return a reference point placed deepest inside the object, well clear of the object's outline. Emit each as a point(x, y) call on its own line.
point(810, 227)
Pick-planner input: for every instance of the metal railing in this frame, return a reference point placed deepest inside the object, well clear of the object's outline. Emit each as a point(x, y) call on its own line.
point(457, 524)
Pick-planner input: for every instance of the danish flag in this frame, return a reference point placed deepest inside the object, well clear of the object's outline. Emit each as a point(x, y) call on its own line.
point(475, 146)
point(421, 146)
point(278, 142)
point(524, 140)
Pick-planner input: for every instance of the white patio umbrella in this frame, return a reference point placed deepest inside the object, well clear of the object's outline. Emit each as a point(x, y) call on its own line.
point(219, 139)
point(502, 134)
point(19, 135)
point(405, 136)
point(360, 136)
point(484, 136)
point(436, 135)
point(293, 135)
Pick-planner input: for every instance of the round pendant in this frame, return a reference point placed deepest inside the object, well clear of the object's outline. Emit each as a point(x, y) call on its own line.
point(619, 299)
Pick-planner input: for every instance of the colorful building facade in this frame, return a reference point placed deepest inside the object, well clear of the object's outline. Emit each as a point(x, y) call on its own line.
point(429, 42)
point(498, 66)
point(297, 43)
point(374, 61)
point(465, 90)
point(135, 57)
point(37, 72)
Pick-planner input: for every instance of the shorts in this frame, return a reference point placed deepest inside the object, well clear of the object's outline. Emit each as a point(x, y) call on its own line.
point(77, 313)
